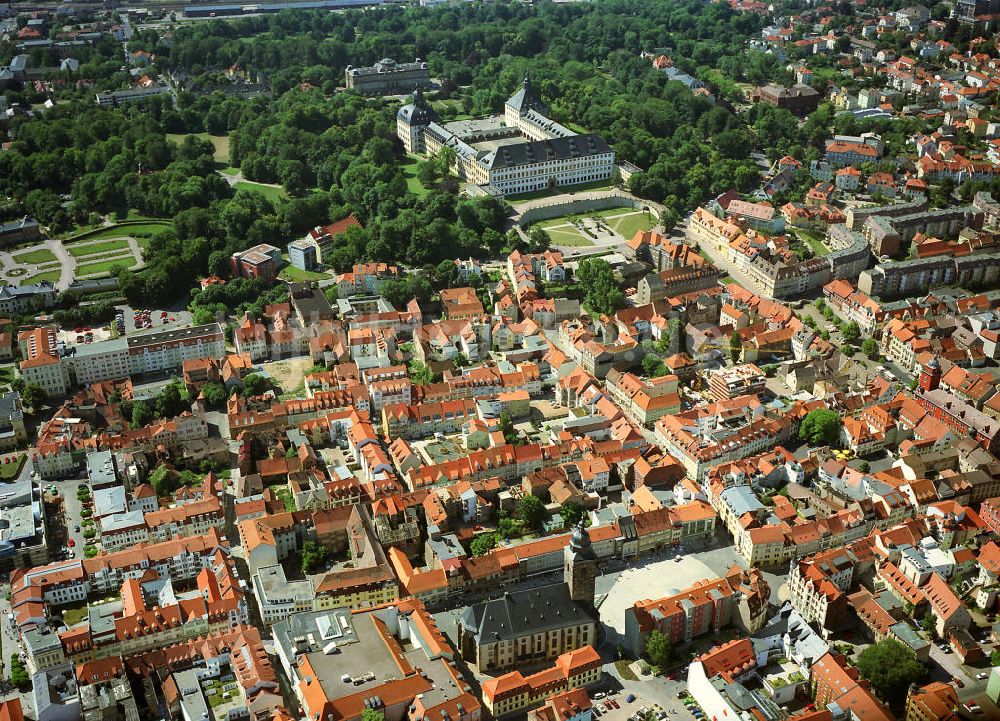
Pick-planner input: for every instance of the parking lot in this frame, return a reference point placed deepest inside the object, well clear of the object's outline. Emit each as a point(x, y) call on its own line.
point(127, 321)
point(659, 696)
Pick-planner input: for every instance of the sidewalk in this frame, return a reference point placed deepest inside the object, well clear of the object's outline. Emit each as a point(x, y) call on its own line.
point(11, 644)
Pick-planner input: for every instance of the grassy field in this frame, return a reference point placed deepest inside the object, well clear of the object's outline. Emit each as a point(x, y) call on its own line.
point(813, 242)
point(450, 109)
point(42, 255)
point(271, 193)
point(229, 170)
point(74, 615)
point(566, 190)
point(533, 195)
point(563, 232)
point(413, 183)
point(10, 471)
point(49, 275)
point(79, 251)
point(624, 221)
point(628, 225)
point(123, 231)
point(7, 374)
point(220, 142)
point(295, 275)
point(104, 266)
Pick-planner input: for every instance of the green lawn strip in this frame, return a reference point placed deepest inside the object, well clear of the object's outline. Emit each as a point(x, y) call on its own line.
point(271, 193)
point(73, 616)
point(608, 213)
point(532, 195)
point(560, 237)
point(229, 170)
point(296, 275)
point(219, 142)
point(122, 230)
point(134, 216)
point(79, 251)
point(10, 471)
point(104, 266)
point(34, 257)
point(628, 226)
point(49, 275)
point(815, 243)
point(7, 374)
point(413, 184)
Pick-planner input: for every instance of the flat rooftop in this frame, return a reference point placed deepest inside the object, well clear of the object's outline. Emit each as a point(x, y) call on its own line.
point(173, 335)
point(471, 128)
point(488, 145)
point(369, 648)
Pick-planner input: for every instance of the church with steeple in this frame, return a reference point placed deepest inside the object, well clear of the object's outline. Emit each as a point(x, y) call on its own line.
point(537, 624)
point(520, 151)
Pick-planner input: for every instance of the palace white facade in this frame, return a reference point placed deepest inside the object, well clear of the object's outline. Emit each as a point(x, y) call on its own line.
point(522, 151)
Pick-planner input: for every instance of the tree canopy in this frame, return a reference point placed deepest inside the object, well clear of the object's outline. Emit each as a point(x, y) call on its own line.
point(821, 426)
point(891, 667)
point(531, 511)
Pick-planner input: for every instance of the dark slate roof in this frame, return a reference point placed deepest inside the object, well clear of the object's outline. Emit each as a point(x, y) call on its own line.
point(418, 112)
point(527, 99)
point(540, 151)
point(520, 613)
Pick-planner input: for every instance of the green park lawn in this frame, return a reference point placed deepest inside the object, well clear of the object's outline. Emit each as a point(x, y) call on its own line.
point(563, 232)
point(82, 250)
point(123, 231)
point(628, 225)
point(220, 143)
point(413, 183)
point(50, 275)
point(533, 195)
point(74, 615)
point(10, 471)
point(296, 275)
point(104, 266)
point(272, 193)
point(818, 248)
point(34, 257)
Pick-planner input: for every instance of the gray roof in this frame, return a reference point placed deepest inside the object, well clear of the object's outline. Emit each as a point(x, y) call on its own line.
point(527, 99)
point(167, 336)
point(55, 687)
point(387, 65)
point(741, 499)
point(15, 225)
point(10, 406)
point(418, 112)
point(119, 521)
point(14, 291)
point(101, 469)
point(540, 151)
point(110, 500)
point(520, 613)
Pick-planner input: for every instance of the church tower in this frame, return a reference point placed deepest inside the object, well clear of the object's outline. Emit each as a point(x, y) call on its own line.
point(580, 566)
point(930, 375)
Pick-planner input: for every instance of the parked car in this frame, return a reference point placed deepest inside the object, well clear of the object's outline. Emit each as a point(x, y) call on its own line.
point(973, 708)
point(959, 682)
point(982, 675)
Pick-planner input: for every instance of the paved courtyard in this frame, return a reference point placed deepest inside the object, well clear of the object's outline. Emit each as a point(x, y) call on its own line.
point(655, 577)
